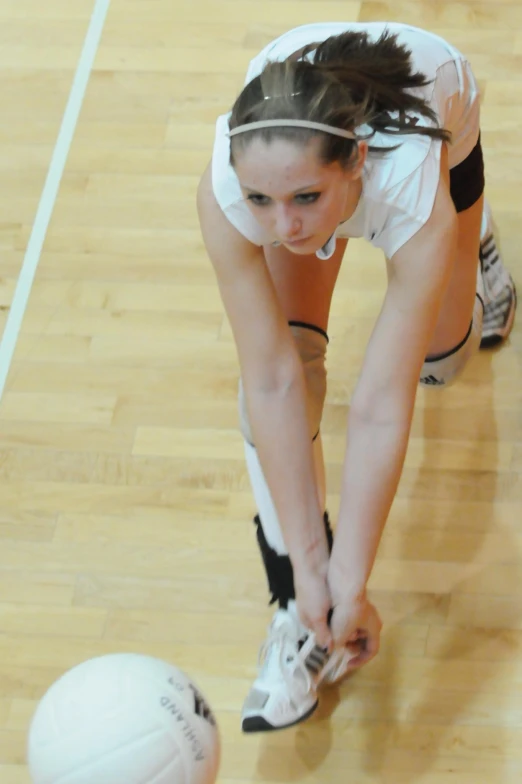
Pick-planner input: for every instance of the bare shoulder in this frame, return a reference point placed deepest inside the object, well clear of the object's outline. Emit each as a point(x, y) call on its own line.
point(225, 244)
point(260, 329)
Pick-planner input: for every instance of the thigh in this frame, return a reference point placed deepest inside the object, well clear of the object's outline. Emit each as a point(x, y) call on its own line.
point(457, 307)
point(305, 284)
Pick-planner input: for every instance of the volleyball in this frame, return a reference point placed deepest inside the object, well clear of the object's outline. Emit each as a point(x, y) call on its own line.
point(123, 719)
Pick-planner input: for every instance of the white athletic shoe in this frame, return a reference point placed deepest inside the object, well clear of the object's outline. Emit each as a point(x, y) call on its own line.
point(292, 667)
point(500, 296)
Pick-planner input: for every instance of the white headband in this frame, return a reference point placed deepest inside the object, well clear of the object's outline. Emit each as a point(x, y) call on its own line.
point(293, 124)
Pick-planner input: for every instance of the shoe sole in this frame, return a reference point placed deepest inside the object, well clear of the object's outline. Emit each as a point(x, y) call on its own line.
point(493, 340)
point(259, 724)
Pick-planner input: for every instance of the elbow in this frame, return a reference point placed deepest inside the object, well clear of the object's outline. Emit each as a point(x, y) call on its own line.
point(275, 379)
point(382, 406)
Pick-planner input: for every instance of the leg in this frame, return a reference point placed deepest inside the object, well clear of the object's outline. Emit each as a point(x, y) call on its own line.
point(480, 302)
point(305, 287)
point(458, 330)
point(305, 284)
point(457, 309)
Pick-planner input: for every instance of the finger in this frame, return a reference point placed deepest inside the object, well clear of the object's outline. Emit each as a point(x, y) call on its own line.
point(356, 636)
point(322, 632)
point(368, 648)
point(359, 660)
point(320, 629)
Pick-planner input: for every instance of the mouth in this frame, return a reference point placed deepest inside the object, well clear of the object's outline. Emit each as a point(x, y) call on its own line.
point(297, 243)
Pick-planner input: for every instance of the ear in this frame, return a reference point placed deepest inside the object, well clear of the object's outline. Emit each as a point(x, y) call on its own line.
point(361, 160)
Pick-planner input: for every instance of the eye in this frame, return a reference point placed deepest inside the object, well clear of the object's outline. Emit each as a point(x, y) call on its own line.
point(307, 198)
point(258, 199)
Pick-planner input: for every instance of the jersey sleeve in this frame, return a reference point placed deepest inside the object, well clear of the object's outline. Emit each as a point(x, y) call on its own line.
point(226, 188)
point(405, 203)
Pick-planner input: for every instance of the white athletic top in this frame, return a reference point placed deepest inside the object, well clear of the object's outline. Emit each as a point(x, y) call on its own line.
point(398, 188)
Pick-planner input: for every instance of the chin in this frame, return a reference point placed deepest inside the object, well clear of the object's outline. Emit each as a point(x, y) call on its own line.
point(303, 250)
point(303, 247)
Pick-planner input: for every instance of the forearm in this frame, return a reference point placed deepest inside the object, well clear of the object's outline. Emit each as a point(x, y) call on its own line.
point(372, 469)
point(280, 429)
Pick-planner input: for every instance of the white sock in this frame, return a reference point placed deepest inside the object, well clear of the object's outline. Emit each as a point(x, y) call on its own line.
point(265, 505)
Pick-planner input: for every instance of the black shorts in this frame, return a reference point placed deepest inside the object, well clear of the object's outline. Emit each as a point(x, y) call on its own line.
point(467, 179)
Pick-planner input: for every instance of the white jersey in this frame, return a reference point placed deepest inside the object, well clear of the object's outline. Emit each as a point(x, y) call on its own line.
point(398, 188)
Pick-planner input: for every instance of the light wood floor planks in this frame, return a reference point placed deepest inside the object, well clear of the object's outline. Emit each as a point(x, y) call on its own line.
point(125, 504)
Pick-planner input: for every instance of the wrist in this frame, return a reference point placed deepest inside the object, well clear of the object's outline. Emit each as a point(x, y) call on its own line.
point(313, 558)
point(352, 579)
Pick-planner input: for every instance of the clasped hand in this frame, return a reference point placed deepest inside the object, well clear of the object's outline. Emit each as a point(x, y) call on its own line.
point(337, 616)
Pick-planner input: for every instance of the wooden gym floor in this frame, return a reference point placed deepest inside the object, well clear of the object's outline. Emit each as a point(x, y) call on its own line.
point(124, 500)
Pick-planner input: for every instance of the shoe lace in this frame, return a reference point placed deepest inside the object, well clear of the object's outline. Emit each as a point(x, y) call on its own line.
point(279, 650)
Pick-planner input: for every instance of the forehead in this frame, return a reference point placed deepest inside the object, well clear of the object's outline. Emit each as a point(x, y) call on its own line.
point(281, 166)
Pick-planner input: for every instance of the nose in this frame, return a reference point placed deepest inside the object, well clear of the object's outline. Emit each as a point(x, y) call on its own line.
point(287, 224)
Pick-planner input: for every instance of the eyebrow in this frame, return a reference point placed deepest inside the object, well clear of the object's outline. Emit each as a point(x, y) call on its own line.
point(295, 193)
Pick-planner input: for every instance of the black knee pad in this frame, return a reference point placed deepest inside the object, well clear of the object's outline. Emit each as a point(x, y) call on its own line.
point(467, 180)
point(278, 568)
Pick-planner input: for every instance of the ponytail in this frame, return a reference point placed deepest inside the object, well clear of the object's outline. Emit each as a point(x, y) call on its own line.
point(346, 81)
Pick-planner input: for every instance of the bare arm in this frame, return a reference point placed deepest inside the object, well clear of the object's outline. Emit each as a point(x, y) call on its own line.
point(382, 407)
point(273, 380)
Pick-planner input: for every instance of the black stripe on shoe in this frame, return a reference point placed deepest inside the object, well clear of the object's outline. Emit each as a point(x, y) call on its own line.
point(493, 338)
point(316, 660)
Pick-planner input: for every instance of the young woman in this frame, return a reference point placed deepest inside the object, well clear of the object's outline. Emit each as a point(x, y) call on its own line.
point(343, 130)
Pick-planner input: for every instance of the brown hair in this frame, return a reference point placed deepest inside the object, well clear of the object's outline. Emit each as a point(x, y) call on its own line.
point(346, 81)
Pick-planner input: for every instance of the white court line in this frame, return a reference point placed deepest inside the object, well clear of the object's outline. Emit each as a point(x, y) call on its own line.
point(50, 191)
